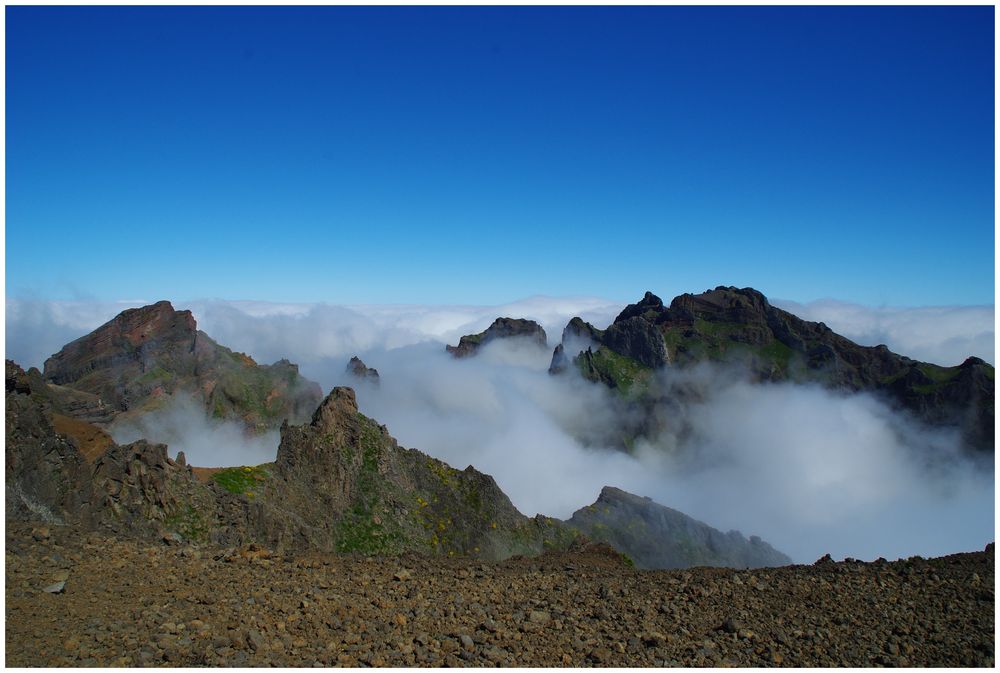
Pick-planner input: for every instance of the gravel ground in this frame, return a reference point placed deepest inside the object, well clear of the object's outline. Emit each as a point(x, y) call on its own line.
point(130, 603)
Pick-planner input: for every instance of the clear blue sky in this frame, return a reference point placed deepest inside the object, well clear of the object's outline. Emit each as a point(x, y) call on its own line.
point(479, 155)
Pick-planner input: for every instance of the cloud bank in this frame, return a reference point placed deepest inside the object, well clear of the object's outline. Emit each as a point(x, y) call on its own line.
point(808, 470)
point(944, 335)
point(269, 331)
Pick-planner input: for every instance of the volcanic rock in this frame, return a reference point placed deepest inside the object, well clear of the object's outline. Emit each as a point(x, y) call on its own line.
point(144, 355)
point(138, 602)
point(638, 339)
point(578, 335)
point(358, 369)
point(355, 489)
point(740, 327)
point(502, 328)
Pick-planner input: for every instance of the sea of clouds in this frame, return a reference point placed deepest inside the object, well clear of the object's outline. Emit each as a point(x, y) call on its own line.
point(809, 470)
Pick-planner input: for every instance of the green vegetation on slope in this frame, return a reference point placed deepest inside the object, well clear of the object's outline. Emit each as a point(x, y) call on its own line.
point(241, 480)
point(620, 372)
point(362, 528)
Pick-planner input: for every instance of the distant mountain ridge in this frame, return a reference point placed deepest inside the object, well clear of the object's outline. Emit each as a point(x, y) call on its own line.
point(143, 356)
point(501, 328)
point(659, 537)
point(740, 327)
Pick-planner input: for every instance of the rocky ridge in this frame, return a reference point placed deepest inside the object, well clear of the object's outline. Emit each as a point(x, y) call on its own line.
point(339, 483)
point(502, 328)
point(659, 537)
point(143, 356)
point(739, 327)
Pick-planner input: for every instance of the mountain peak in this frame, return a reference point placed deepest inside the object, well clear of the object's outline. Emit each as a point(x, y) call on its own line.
point(739, 326)
point(656, 536)
point(125, 337)
point(143, 354)
point(339, 405)
point(502, 328)
point(358, 369)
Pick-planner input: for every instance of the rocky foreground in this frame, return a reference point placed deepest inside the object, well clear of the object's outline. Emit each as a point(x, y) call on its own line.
point(87, 599)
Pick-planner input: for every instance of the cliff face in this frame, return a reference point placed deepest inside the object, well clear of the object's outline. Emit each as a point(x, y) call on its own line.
point(740, 327)
point(142, 356)
point(64, 470)
point(502, 328)
point(654, 536)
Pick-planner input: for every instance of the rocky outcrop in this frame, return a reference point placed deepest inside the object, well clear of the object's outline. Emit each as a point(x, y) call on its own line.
point(359, 370)
point(134, 361)
point(638, 339)
point(502, 328)
point(740, 327)
point(658, 537)
point(577, 336)
point(355, 489)
point(45, 474)
point(82, 477)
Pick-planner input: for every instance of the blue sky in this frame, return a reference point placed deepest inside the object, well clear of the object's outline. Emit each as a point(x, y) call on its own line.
point(480, 155)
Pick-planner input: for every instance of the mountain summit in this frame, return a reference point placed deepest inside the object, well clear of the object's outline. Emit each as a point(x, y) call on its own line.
point(142, 356)
point(502, 328)
point(738, 326)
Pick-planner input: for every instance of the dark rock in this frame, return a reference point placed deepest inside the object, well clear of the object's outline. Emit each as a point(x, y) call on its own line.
point(638, 339)
point(740, 327)
point(579, 330)
point(502, 328)
point(559, 362)
point(648, 307)
point(358, 369)
point(730, 626)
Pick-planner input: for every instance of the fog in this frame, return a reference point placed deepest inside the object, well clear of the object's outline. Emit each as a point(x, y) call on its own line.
point(944, 335)
point(809, 470)
point(183, 425)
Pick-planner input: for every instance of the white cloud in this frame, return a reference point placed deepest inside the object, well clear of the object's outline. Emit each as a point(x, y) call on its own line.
point(183, 425)
point(809, 471)
point(944, 335)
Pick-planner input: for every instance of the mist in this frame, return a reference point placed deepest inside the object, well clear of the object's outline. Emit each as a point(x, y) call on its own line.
point(182, 424)
point(809, 470)
point(944, 335)
point(311, 333)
